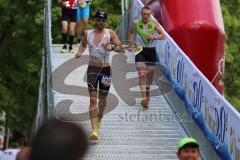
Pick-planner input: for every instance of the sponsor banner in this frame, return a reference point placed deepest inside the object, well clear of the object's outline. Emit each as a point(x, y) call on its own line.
point(210, 110)
point(215, 116)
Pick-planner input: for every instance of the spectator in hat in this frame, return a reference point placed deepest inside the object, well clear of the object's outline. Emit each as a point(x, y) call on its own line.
point(188, 149)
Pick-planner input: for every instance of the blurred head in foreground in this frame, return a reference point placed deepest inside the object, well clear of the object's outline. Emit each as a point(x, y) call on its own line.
point(57, 140)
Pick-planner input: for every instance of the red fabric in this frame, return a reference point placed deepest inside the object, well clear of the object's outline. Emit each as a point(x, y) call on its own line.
point(197, 27)
point(70, 4)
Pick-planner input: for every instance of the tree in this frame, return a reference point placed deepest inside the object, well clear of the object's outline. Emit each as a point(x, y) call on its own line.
point(112, 7)
point(231, 12)
point(21, 43)
point(20, 55)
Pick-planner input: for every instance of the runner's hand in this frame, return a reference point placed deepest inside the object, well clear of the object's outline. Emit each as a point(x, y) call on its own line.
point(78, 55)
point(130, 47)
point(107, 46)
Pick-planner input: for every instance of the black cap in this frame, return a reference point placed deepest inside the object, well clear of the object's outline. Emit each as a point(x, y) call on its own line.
point(101, 14)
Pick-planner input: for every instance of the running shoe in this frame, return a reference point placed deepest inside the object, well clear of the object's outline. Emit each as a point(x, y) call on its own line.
point(144, 103)
point(71, 49)
point(64, 49)
point(95, 135)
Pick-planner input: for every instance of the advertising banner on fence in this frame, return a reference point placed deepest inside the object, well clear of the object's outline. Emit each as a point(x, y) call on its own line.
point(215, 116)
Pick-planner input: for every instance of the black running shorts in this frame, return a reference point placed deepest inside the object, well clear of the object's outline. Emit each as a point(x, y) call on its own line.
point(99, 77)
point(69, 14)
point(147, 55)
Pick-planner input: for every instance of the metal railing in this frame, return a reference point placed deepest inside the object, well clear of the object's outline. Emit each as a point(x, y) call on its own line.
point(45, 99)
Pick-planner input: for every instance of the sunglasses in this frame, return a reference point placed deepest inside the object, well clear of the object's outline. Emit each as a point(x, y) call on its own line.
point(100, 20)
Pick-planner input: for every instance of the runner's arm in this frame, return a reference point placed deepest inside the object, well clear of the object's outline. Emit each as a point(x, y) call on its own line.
point(159, 30)
point(82, 47)
point(116, 41)
point(131, 32)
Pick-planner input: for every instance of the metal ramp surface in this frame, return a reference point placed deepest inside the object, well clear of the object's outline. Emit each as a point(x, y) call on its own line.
point(128, 131)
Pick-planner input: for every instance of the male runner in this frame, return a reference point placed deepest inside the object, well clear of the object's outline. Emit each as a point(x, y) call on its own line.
point(146, 31)
point(100, 42)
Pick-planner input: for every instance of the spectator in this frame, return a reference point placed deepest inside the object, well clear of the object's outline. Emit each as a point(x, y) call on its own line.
point(1, 153)
point(83, 12)
point(24, 154)
point(56, 140)
point(69, 13)
point(9, 154)
point(188, 149)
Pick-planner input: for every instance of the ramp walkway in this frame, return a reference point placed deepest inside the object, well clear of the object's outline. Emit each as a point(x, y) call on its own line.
point(128, 131)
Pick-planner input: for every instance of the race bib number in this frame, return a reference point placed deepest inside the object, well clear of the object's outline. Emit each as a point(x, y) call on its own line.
point(106, 81)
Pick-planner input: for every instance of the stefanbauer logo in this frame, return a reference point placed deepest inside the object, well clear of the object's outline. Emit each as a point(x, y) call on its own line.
point(122, 85)
point(57, 83)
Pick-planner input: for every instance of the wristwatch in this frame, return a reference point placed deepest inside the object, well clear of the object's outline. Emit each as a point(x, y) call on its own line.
point(113, 46)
